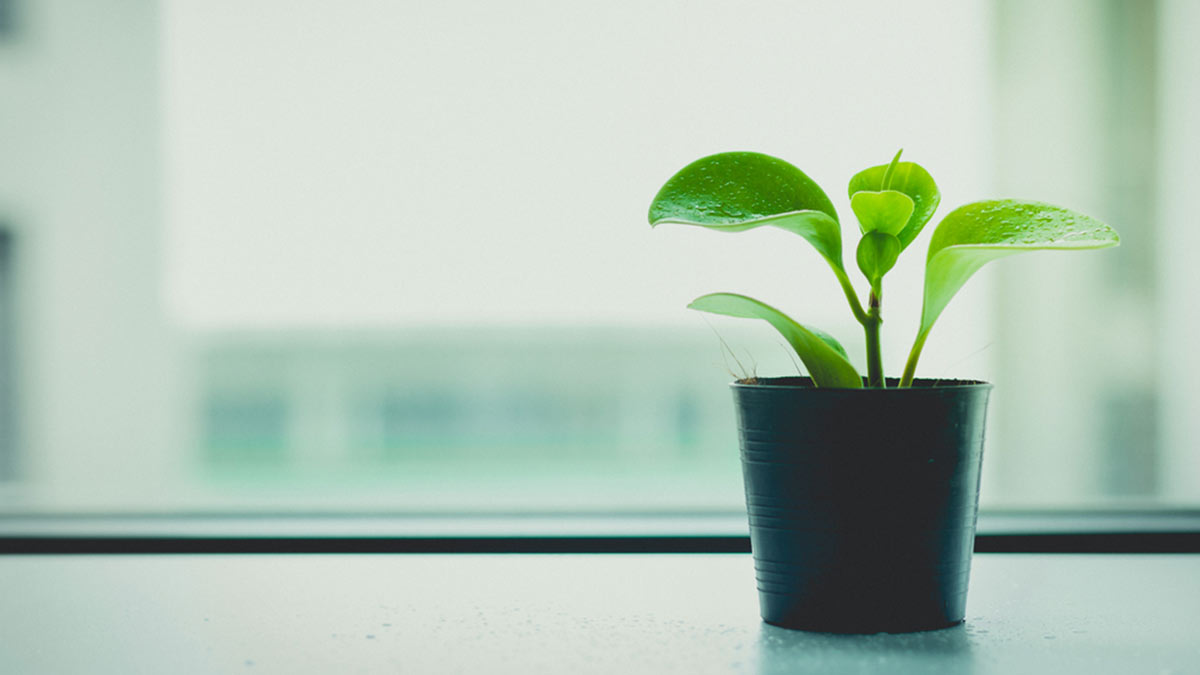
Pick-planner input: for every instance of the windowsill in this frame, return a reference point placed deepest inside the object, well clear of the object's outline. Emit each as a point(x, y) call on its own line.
point(580, 613)
point(566, 614)
point(1141, 530)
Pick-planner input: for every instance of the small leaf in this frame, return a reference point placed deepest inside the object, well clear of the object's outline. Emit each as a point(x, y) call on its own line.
point(824, 357)
point(910, 179)
point(877, 253)
point(886, 211)
point(976, 234)
point(736, 191)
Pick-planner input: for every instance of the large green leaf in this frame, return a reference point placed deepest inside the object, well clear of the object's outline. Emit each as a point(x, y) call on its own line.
point(976, 234)
point(908, 178)
point(824, 357)
point(736, 191)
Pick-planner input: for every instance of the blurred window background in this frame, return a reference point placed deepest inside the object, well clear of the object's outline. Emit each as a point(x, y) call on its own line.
point(393, 256)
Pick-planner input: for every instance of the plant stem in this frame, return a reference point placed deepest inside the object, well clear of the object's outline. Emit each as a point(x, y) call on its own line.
point(910, 368)
point(871, 328)
point(851, 296)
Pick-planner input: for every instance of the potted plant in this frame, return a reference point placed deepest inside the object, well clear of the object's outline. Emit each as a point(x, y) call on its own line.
point(862, 492)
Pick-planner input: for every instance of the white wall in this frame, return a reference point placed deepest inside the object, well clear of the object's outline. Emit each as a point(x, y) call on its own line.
point(80, 176)
point(1179, 278)
point(383, 163)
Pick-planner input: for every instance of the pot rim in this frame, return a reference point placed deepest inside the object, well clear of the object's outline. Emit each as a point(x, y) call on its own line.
point(804, 383)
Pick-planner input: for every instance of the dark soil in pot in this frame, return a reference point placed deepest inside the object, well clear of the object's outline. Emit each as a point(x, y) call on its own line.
point(862, 502)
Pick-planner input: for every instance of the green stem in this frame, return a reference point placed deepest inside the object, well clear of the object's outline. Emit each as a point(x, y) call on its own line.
point(851, 296)
point(871, 326)
point(910, 368)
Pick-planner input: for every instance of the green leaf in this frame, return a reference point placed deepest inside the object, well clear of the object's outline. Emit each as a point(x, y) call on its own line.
point(908, 178)
point(877, 253)
point(976, 234)
point(824, 357)
point(736, 191)
point(887, 211)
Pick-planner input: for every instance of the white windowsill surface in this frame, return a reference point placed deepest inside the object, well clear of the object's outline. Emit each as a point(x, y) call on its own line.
point(566, 614)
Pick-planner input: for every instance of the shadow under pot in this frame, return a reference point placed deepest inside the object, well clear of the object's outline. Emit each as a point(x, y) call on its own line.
point(862, 502)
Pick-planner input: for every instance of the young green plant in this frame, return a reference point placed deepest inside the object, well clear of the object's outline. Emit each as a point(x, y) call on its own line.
point(739, 191)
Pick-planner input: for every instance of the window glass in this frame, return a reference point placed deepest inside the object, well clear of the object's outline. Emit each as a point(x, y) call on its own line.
point(394, 255)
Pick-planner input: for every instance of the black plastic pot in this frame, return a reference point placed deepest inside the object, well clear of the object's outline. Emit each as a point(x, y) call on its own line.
point(862, 502)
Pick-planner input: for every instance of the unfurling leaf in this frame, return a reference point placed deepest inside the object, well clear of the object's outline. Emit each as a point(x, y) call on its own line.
point(822, 355)
point(886, 211)
point(877, 253)
point(911, 180)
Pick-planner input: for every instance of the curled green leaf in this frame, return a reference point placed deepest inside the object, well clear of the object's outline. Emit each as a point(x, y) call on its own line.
point(821, 354)
point(737, 191)
point(976, 234)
